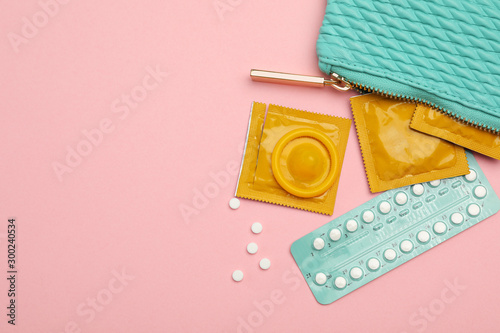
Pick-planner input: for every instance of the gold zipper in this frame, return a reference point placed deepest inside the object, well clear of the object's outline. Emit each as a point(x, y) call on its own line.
point(342, 84)
point(335, 81)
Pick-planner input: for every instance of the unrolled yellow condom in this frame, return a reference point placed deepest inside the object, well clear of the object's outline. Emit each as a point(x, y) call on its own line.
point(305, 162)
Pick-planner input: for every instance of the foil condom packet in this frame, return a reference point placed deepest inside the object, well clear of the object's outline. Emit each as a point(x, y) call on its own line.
point(396, 155)
point(293, 158)
point(430, 121)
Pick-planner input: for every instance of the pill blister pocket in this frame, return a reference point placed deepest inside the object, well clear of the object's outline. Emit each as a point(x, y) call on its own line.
point(389, 230)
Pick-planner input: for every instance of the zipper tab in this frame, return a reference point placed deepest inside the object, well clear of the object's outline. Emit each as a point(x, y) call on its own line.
point(335, 81)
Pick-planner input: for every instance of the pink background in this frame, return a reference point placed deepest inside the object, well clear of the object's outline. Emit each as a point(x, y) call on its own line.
point(119, 209)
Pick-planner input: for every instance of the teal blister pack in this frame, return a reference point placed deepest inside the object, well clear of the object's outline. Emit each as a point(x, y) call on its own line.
point(389, 230)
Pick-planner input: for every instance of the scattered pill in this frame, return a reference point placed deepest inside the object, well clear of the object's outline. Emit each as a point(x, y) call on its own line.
point(265, 263)
point(373, 264)
point(423, 236)
point(320, 278)
point(418, 189)
point(237, 275)
point(340, 282)
point(256, 228)
point(390, 254)
point(473, 210)
point(368, 216)
point(384, 207)
point(335, 234)
point(457, 218)
point(401, 198)
point(356, 273)
point(439, 228)
point(406, 246)
point(252, 248)
point(234, 203)
point(319, 243)
point(480, 191)
point(471, 176)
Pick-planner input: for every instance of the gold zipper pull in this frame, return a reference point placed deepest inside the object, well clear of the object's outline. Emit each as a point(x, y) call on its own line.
point(335, 81)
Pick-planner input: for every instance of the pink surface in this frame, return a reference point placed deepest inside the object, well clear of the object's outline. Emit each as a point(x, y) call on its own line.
point(104, 247)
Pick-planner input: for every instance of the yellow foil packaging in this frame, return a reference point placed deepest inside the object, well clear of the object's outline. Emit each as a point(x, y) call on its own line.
point(293, 158)
point(393, 153)
point(432, 122)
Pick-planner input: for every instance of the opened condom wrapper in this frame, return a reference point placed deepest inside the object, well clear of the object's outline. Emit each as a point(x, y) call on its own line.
point(395, 155)
point(429, 121)
point(293, 158)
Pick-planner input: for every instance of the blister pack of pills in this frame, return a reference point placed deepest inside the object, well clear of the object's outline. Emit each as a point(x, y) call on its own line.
point(389, 230)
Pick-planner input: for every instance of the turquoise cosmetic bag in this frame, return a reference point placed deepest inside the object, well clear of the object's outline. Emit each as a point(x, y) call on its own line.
point(443, 53)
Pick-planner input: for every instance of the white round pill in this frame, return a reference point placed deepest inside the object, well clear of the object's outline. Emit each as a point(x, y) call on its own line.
point(401, 198)
point(373, 264)
point(234, 203)
point(418, 189)
point(384, 207)
point(320, 278)
point(340, 282)
point(439, 227)
point(256, 228)
point(423, 236)
point(435, 183)
point(368, 216)
point(252, 248)
point(356, 273)
point(351, 225)
point(406, 246)
point(471, 176)
point(265, 263)
point(390, 254)
point(319, 243)
point(335, 234)
point(237, 275)
point(480, 191)
point(473, 210)
point(456, 218)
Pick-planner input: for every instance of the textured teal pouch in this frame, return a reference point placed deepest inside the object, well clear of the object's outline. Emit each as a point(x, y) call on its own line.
point(444, 53)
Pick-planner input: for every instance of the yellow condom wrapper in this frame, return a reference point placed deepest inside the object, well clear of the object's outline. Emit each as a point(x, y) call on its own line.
point(293, 158)
point(393, 153)
point(432, 122)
